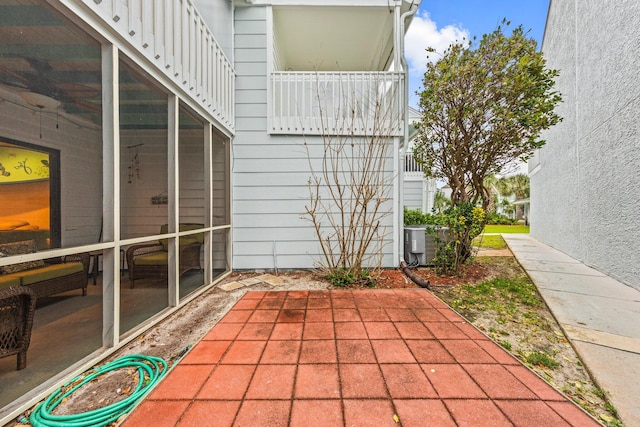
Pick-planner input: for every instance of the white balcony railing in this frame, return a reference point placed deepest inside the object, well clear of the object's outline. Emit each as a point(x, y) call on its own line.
point(174, 37)
point(412, 169)
point(320, 103)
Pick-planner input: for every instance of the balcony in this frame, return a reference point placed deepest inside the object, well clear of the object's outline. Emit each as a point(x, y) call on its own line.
point(344, 103)
point(412, 169)
point(173, 36)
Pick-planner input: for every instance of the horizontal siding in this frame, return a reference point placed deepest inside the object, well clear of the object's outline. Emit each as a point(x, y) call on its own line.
point(256, 68)
point(274, 163)
point(272, 179)
point(413, 194)
point(269, 206)
point(251, 96)
point(251, 55)
point(251, 110)
point(252, 123)
point(247, 27)
point(257, 234)
point(271, 173)
point(250, 41)
point(252, 82)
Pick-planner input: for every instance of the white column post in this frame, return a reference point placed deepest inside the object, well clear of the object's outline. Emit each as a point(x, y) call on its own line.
point(208, 191)
point(111, 196)
point(174, 195)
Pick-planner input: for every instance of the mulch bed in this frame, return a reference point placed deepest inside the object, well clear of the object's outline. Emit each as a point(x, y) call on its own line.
point(396, 279)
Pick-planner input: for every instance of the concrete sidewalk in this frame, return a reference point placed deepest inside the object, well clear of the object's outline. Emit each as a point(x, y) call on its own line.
point(600, 316)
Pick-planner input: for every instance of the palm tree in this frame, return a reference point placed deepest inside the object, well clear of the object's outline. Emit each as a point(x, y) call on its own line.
point(517, 185)
point(507, 207)
point(440, 202)
point(520, 185)
point(491, 186)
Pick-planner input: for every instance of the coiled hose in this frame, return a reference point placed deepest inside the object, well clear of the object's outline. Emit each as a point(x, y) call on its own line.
point(150, 371)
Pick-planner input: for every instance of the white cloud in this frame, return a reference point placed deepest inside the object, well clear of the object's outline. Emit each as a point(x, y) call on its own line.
point(424, 33)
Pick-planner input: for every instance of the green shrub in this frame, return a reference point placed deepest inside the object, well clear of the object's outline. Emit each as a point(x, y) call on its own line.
point(464, 223)
point(417, 217)
point(498, 219)
point(343, 278)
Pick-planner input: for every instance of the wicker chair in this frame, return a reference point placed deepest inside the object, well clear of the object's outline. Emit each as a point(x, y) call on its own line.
point(17, 306)
point(150, 260)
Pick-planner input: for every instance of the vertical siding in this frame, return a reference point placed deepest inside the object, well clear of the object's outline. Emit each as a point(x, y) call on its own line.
point(585, 193)
point(270, 173)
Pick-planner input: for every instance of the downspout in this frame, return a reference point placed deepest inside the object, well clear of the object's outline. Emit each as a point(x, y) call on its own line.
point(405, 104)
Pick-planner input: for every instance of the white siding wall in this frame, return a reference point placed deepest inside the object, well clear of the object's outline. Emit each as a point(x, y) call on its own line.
point(585, 191)
point(138, 216)
point(80, 164)
point(218, 15)
point(419, 193)
point(413, 194)
point(270, 173)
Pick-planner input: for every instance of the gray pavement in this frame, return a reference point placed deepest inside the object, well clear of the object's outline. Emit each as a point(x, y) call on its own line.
point(600, 316)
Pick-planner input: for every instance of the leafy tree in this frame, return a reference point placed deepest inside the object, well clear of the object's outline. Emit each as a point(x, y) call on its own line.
point(482, 109)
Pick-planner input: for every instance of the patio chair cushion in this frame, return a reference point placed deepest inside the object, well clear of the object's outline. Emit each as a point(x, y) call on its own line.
point(184, 240)
point(155, 258)
point(8, 281)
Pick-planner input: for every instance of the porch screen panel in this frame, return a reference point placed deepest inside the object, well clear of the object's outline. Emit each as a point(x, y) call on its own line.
point(143, 155)
point(221, 262)
point(50, 186)
point(220, 181)
point(192, 201)
point(143, 196)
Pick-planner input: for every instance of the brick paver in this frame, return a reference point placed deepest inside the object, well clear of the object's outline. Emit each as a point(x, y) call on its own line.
point(342, 358)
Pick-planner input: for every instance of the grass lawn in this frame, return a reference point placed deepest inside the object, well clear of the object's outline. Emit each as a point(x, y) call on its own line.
point(493, 242)
point(506, 229)
point(507, 307)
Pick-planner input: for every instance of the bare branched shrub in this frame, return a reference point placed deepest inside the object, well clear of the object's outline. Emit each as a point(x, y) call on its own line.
point(349, 190)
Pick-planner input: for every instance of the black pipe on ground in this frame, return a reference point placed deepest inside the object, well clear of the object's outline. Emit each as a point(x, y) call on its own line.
point(414, 277)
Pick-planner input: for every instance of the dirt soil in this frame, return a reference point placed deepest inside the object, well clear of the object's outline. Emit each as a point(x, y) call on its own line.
point(175, 335)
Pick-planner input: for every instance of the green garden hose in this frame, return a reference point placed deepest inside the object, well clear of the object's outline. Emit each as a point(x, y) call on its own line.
point(150, 371)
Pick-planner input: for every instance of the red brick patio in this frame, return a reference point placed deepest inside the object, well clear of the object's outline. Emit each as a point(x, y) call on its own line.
point(351, 358)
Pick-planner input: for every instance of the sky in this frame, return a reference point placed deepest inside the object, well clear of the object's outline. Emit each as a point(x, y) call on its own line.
point(439, 22)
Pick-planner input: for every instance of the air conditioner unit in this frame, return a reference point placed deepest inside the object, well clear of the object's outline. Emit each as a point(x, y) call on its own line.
point(414, 245)
point(420, 246)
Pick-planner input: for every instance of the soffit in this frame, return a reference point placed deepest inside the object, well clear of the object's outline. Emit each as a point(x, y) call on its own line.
point(333, 38)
